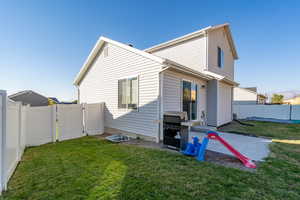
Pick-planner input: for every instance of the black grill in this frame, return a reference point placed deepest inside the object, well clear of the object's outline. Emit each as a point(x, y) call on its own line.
point(175, 135)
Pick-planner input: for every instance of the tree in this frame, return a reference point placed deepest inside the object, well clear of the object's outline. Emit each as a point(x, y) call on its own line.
point(51, 102)
point(277, 99)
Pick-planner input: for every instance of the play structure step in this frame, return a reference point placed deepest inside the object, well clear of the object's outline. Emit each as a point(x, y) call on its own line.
point(203, 129)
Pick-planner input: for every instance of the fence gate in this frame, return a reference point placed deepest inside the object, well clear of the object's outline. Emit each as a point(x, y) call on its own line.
point(94, 118)
point(69, 121)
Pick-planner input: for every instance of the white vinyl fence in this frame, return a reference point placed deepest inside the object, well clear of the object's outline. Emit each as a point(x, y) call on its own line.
point(70, 121)
point(22, 126)
point(12, 141)
point(40, 125)
point(93, 113)
point(286, 112)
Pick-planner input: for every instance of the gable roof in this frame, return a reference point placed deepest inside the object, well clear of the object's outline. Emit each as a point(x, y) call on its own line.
point(29, 97)
point(101, 41)
point(54, 99)
point(25, 92)
point(197, 34)
point(167, 62)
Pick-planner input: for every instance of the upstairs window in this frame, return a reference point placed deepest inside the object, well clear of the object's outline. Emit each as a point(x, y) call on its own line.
point(220, 58)
point(128, 93)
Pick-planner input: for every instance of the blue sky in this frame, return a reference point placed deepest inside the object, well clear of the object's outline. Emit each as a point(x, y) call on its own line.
point(44, 43)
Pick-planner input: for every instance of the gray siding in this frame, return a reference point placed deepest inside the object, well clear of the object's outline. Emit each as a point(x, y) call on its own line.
point(101, 85)
point(212, 102)
point(219, 103)
point(217, 39)
point(224, 104)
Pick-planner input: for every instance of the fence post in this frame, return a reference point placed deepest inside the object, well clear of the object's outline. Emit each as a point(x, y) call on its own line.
point(26, 108)
point(3, 117)
point(83, 105)
point(54, 123)
point(19, 104)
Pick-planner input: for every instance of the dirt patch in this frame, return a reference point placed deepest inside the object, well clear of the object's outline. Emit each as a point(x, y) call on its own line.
point(227, 161)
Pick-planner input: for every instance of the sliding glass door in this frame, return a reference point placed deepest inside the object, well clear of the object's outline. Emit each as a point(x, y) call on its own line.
point(190, 99)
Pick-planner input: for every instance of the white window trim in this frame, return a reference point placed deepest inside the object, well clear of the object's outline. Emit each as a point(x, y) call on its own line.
point(138, 94)
point(222, 63)
point(198, 93)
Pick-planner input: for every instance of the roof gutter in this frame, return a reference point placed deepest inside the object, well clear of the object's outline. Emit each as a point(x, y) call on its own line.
point(177, 40)
point(221, 78)
point(173, 65)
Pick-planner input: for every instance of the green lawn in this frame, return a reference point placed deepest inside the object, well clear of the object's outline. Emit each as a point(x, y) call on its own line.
point(265, 129)
point(89, 168)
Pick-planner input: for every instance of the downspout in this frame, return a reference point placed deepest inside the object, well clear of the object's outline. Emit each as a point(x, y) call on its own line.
point(78, 94)
point(206, 63)
point(160, 117)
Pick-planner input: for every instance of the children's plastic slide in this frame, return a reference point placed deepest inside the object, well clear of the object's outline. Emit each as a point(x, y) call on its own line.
point(198, 149)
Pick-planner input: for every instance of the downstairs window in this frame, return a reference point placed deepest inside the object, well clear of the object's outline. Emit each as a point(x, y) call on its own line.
point(128, 93)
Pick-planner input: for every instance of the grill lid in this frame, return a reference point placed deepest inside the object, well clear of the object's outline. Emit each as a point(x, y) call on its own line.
point(182, 115)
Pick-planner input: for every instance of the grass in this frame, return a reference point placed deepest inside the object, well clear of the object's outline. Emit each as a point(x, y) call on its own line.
point(265, 129)
point(89, 168)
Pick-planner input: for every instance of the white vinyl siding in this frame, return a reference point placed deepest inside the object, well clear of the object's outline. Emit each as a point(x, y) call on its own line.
point(217, 39)
point(224, 104)
point(172, 92)
point(191, 53)
point(100, 84)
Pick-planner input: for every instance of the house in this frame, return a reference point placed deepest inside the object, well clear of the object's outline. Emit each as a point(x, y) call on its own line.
point(292, 101)
point(53, 100)
point(247, 96)
point(29, 97)
point(261, 99)
point(192, 73)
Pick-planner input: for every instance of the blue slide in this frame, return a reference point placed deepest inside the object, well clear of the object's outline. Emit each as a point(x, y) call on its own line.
point(192, 149)
point(196, 148)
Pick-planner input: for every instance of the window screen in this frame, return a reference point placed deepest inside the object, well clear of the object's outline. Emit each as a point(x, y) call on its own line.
point(128, 93)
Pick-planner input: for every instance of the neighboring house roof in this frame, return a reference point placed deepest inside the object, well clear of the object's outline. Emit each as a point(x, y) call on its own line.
point(197, 34)
point(54, 99)
point(29, 97)
point(169, 63)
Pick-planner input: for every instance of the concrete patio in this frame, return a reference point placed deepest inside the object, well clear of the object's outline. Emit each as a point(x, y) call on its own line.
point(253, 147)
